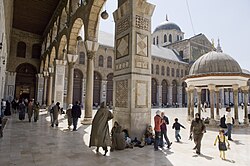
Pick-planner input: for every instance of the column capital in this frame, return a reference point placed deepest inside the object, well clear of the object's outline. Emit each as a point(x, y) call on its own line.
point(245, 89)
point(60, 62)
point(198, 89)
point(39, 75)
point(217, 89)
point(190, 88)
point(45, 73)
point(91, 46)
point(71, 58)
point(235, 87)
point(211, 87)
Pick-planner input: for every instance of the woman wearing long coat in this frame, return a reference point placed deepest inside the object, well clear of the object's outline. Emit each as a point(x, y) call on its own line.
point(55, 113)
point(30, 110)
point(100, 136)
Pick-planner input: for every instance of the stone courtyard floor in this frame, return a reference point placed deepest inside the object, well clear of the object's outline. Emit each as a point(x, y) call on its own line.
point(38, 144)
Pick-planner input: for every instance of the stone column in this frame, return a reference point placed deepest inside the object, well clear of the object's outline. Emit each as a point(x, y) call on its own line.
point(58, 83)
point(50, 84)
point(39, 88)
point(71, 62)
point(103, 91)
point(245, 90)
point(199, 100)
point(222, 98)
point(188, 103)
point(217, 93)
point(83, 92)
point(45, 74)
point(159, 95)
point(211, 88)
point(10, 85)
point(132, 63)
point(91, 48)
point(191, 102)
point(170, 95)
point(235, 94)
point(179, 97)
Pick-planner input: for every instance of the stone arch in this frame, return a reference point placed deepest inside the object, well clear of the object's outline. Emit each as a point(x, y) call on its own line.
point(154, 84)
point(25, 81)
point(165, 86)
point(93, 20)
point(165, 38)
point(109, 98)
point(63, 19)
point(74, 32)
point(74, 5)
point(46, 62)
point(62, 47)
point(48, 40)
point(184, 94)
point(170, 38)
point(41, 66)
point(77, 88)
point(97, 88)
point(52, 57)
point(174, 91)
point(109, 62)
point(54, 31)
point(100, 61)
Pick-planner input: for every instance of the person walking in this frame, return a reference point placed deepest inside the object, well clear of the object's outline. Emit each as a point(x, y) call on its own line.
point(164, 124)
point(22, 110)
point(36, 108)
point(69, 114)
point(158, 122)
point(50, 111)
point(177, 126)
point(30, 110)
point(229, 123)
point(76, 113)
point(100, 136)
point(222, 144)
point(197, 129)
point(55, 112)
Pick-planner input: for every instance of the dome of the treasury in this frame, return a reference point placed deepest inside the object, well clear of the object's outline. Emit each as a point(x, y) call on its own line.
point(166, 25)
point(215, 63)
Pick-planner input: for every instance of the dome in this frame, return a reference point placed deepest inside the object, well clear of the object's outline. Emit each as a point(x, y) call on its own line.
point(166, 25)
point(215, 63)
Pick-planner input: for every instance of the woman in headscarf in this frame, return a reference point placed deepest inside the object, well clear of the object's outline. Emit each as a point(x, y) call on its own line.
point(69, 115)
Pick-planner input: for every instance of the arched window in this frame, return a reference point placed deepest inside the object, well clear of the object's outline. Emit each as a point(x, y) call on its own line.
point(186, 72)
point(152, 69)
point(21, 49)
point(36, 51)
point(163, 70)
point(168, 71)
point(177, 73)
point(172, 72)
point(100, 61)
point(180, 38)
point(82, 58)
point(157, 40)
point(109, 62)
point(181, 73)
point(157, 69)
point(165, 38)
point(170, 38)
point(154, 41)
point(177, 37)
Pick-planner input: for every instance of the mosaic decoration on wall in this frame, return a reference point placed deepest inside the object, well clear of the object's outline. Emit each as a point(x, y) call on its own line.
point(122, 25)
point(121, 94)
point(122, 47)
point(142, 23)
point(141, 99)
point(141, 44)
point(123, 65)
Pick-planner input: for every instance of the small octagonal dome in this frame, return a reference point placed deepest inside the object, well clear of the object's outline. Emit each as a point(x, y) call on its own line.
point(215, 63)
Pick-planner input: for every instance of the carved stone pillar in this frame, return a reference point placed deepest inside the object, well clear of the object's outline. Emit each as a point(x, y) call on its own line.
point(39, 88)
point(199, 100)
point(71, 62)
point(83, 91)
point(45, 85)
point(245, 90)
point(217, 93)
point(10, 85)
point(179, 97)
point(132, 73)
point(235, 97)
point(192, 102)
point(50, 84)
point(189, 103)
point(211, 88)
point(159, 95)
point(222, 95)
point(103, 94)
point(91, 48)
point(58, 83)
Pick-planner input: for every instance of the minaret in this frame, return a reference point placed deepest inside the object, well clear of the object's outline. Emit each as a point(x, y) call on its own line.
point(218, 49)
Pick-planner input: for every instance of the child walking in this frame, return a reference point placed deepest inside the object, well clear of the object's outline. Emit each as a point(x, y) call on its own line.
point(177, 126)
point(222, 144)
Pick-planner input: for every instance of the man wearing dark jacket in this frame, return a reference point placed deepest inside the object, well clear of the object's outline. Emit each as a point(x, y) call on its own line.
point(76, 113)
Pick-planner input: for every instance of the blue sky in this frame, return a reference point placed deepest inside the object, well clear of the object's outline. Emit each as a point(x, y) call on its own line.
point(228, 20)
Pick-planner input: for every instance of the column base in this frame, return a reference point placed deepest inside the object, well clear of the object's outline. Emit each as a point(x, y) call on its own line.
point(246, 121)
point(86, 121)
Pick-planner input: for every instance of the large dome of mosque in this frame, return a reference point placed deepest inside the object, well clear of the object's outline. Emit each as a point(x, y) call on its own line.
point(167, 25)
point(215, 63)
